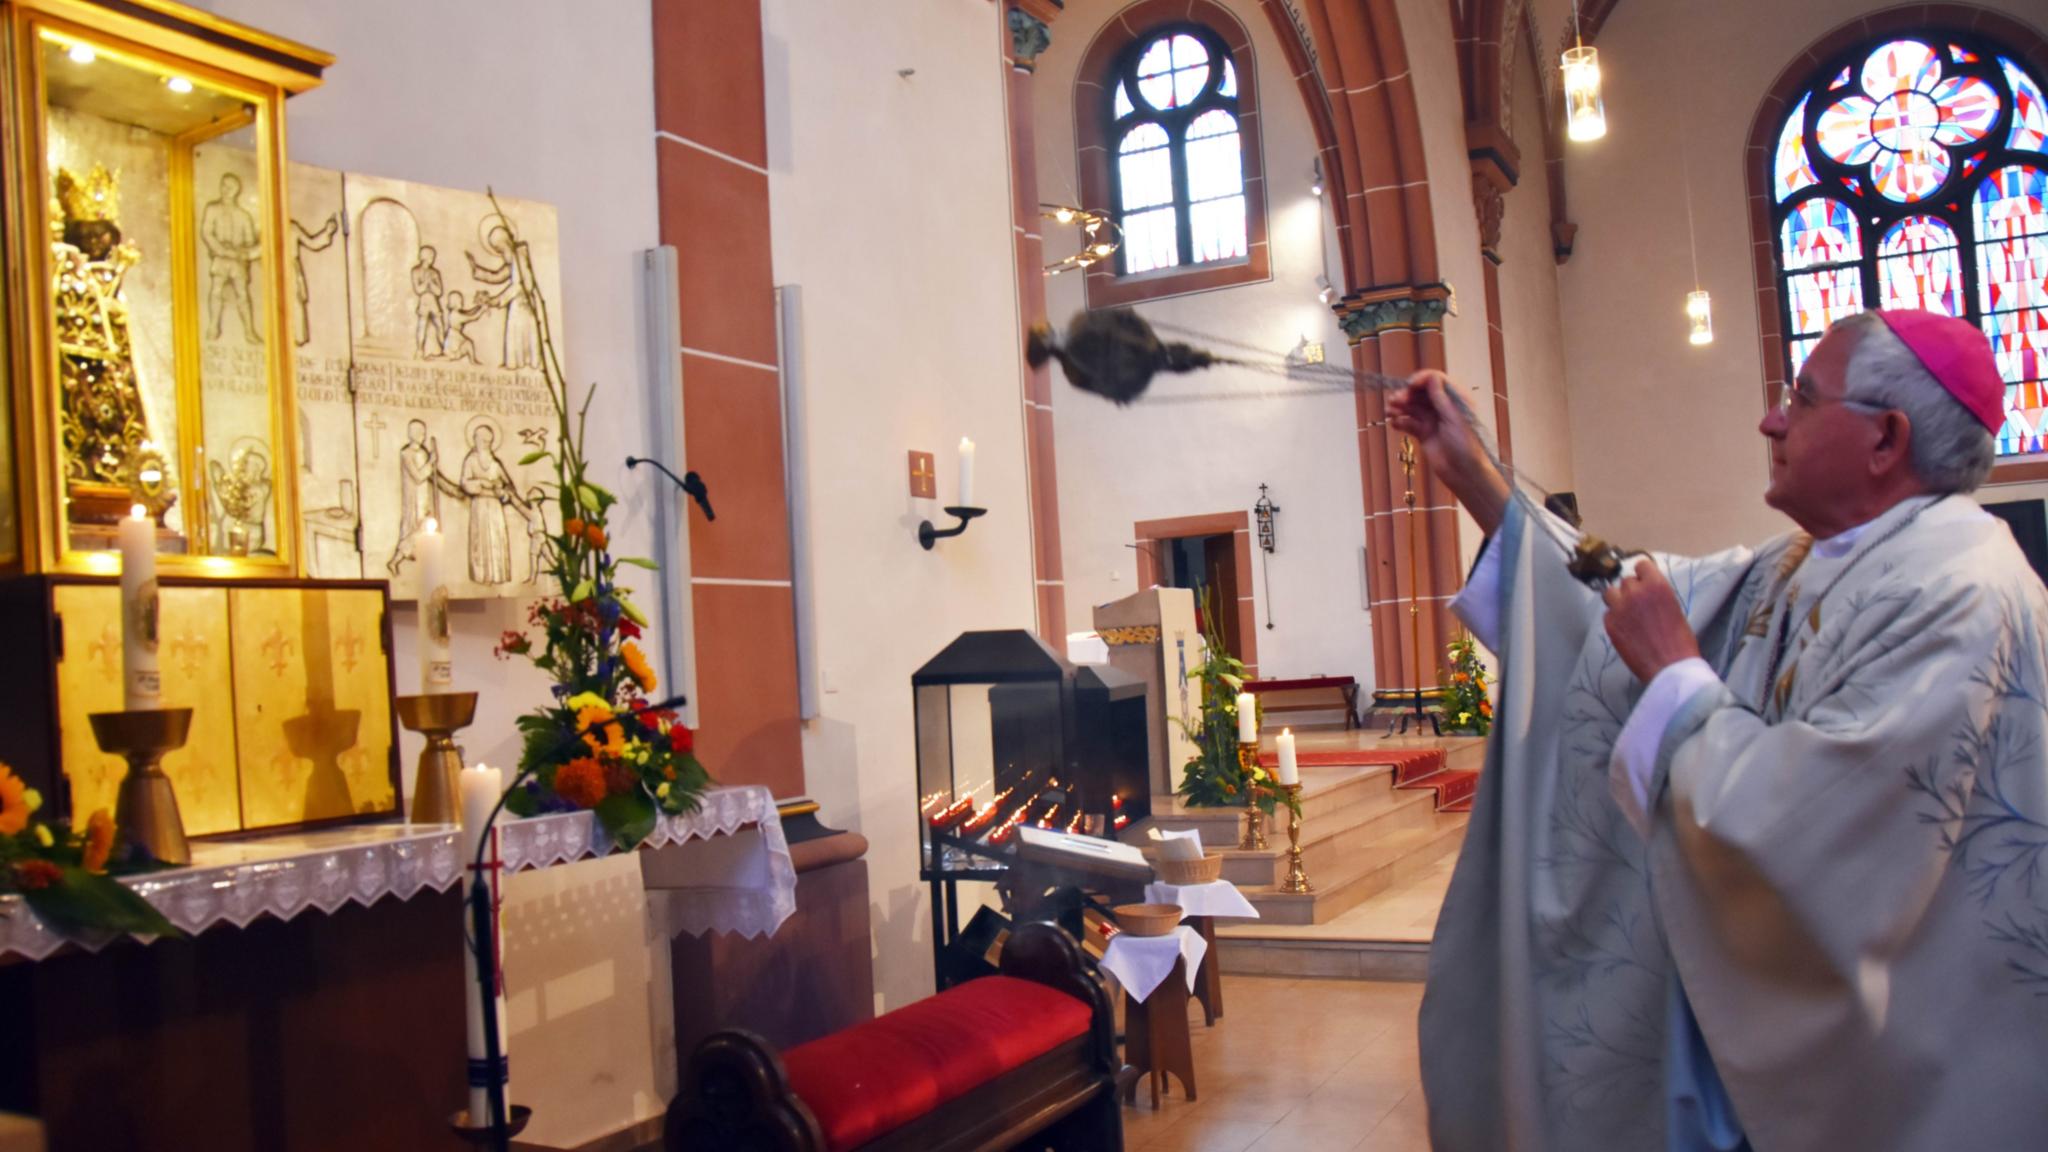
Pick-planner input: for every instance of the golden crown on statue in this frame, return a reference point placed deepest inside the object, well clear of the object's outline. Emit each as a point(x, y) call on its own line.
point(97, 197)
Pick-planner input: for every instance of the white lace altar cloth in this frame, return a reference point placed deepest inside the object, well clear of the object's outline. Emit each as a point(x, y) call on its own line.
point(748, 885)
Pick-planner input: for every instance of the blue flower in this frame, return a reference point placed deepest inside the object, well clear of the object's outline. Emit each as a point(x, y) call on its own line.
point(561, 691)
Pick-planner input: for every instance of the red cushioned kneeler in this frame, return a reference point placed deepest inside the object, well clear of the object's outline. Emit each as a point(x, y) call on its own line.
point(876, 1077)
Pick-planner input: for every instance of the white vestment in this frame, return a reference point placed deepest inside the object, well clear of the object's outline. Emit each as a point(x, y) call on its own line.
point(1846, 871)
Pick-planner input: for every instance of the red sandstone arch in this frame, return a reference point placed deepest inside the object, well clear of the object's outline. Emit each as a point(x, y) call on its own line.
point(1351, 67)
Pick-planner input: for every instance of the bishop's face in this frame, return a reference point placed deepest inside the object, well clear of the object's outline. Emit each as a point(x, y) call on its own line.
point(1821, 443)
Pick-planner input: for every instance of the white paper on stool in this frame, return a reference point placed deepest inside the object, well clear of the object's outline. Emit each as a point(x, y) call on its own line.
point(1182, 845)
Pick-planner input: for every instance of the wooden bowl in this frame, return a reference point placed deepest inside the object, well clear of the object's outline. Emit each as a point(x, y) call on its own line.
point(1204, 870)
point(1147, 919)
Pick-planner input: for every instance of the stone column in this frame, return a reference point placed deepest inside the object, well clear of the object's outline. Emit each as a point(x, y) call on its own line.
point(1411, 521)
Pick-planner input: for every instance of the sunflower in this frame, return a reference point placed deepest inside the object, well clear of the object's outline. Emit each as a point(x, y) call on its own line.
point(14, 805)
point(636, 663)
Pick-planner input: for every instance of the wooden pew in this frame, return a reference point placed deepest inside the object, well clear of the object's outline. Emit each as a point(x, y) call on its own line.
point(1029, 1053)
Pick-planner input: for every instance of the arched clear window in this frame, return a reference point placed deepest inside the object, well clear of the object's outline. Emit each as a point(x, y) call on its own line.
point(1911, 173)
point(1178, 186)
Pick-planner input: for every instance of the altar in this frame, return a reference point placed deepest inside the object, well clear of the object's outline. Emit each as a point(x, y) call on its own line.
point(321, 970)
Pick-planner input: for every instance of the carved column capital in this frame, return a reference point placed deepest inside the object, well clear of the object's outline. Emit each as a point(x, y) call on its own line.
point(1415, 307)
point(1029, 35)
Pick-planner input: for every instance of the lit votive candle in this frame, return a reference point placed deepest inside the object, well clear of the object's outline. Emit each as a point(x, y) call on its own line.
point(1290, 771)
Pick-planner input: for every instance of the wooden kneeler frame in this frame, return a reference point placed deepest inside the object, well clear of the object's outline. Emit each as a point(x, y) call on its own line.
point(735, 1096)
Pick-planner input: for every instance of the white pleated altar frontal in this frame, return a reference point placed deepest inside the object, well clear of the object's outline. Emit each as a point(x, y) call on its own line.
point(739, 879)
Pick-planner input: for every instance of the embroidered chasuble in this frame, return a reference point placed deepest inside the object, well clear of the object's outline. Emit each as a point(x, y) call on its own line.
point(1845, 877)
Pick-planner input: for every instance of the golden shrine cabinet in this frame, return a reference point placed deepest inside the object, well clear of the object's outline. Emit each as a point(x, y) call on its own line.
point(148, 349)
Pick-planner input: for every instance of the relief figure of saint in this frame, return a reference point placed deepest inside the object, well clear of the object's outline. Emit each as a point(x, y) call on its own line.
point(233, 246)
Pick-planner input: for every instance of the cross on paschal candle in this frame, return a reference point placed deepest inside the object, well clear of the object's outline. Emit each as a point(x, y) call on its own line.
point(376, 425)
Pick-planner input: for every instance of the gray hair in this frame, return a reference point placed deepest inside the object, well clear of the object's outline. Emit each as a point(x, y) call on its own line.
point(1951, 450)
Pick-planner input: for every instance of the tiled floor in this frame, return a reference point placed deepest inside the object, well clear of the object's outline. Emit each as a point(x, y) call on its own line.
point(1296, 1066)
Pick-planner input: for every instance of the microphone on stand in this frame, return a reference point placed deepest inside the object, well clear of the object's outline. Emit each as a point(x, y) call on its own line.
point(689, 482)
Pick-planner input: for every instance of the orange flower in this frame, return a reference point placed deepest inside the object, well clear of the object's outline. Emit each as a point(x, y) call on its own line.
point(595, 535)
point(636, 663)
point(13, 802)
point(572, 527)
point(99, 841)
point(581, 782)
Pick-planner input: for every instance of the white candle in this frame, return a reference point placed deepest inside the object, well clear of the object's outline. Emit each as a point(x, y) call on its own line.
point(1247, 718)
point(966, 473)
point(141, 685)
point(1290, 772)
point(437, 672)
point(479, 789)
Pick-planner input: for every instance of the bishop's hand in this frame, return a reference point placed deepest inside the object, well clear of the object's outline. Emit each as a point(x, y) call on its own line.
point(1646, 622)
point(1426, 412)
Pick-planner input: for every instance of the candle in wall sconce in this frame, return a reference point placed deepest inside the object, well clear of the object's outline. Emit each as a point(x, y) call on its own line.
point(1247, 718)
point(141, 683)
point(966, 473)
point(437, 671)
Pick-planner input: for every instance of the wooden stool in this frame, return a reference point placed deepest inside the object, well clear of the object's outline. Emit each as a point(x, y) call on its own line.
point(1209, 976)
point(1156, 1035)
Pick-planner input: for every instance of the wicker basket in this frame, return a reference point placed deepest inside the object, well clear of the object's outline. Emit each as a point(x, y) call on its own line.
point(1147, 919)
point(1201, 870)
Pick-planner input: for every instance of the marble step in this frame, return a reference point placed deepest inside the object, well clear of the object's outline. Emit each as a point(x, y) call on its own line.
point(1331, 798)
point(1333, 846)
point(1356, 875)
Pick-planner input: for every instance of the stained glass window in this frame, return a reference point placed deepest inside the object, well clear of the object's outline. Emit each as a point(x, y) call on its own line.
point(1910, 173)
point(1180, 156)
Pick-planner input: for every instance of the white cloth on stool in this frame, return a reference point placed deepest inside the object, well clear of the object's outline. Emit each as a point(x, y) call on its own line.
point(1216, 898)
point(1142, 963)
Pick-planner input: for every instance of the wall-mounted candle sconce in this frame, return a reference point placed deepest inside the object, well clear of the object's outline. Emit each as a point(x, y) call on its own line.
point(928, 535)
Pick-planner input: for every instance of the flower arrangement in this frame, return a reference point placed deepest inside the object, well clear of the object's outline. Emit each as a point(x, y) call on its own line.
point(599, 745)
point(1213, 777)
point(65, 877)
point(1465, 705)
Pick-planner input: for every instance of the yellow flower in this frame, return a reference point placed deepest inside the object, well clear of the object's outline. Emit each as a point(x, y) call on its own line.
point(663, 790)
point(33, 799)
point(14, 805)
point(636, 663)
point(582, 700)
point(43, 835)
point(1464, 718)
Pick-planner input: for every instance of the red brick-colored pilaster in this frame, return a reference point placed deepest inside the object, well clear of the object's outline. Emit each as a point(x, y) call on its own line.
point(712, 153)
point(1020, 50)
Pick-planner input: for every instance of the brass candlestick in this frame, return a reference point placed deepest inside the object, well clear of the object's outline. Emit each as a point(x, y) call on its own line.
point(146, 816)
point(1254, 820)
point(1297, 880)
point(438, 716)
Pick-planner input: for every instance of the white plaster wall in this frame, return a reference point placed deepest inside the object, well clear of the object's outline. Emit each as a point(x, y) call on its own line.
point(1532, 333)
point(1158, 460)
point(549, 102)
point(1665, 448)
point(890, 207)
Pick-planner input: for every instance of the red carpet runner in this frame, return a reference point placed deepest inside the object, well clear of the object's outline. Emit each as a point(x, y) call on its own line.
point(1413, 768)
